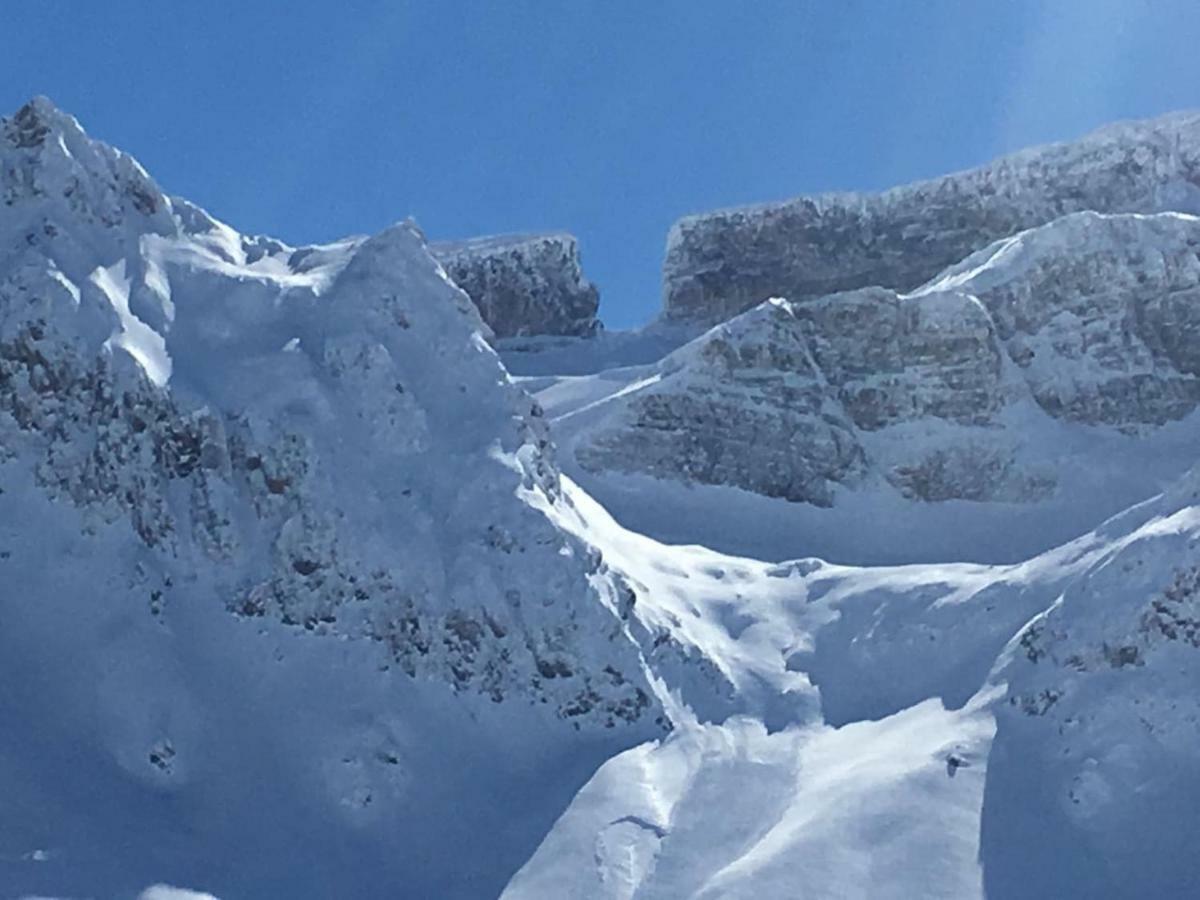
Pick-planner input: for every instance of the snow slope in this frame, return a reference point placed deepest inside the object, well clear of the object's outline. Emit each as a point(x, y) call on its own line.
point(1008, 731)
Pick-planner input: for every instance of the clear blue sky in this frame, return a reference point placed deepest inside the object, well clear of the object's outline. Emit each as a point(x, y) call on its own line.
point(310, 120)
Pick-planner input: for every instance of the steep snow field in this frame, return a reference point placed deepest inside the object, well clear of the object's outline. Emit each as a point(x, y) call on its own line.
point(947, 731)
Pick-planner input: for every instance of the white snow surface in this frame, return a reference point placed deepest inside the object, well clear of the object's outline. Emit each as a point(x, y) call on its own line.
point(297, 604)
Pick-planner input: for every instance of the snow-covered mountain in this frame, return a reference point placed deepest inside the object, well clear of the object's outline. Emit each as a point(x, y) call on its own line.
point(721, 263)
point(267, 520)
point(297, 602)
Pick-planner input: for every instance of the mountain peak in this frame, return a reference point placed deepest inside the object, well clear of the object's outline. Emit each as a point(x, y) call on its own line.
point(52, 172)
point(34, 122)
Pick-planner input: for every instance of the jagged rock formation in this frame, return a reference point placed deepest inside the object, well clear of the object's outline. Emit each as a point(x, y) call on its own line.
point(524, 285)
point(1093, 318)
point(722, 263)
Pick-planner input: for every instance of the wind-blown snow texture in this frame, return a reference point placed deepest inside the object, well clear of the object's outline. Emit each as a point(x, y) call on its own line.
point(944, 731)
point(296, 602)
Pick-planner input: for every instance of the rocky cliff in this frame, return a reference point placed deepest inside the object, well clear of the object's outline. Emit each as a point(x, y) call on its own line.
point(524, 285)
point(722, 263)
point(1090, 320)
point(1100, 313)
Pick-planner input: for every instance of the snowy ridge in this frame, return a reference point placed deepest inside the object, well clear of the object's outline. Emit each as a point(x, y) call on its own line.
point(722, 263)
point(294, 336)
point(950, 731)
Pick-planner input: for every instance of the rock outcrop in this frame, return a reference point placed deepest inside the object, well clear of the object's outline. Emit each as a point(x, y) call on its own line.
point(785, 399)
point(722, 263)
point(524, 285)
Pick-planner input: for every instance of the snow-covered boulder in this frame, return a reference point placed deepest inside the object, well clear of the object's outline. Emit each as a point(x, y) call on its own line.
point(721, 263)
point(524, 285)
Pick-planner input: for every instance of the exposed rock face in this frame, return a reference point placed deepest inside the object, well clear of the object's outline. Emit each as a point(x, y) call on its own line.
point(722, 263)
point(777, 400)
point(745, 405)
point(524, 285)
point(891, 359)
point(1090, 319)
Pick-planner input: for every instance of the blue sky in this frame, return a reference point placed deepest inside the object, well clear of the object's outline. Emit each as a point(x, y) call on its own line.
point(310, 120)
